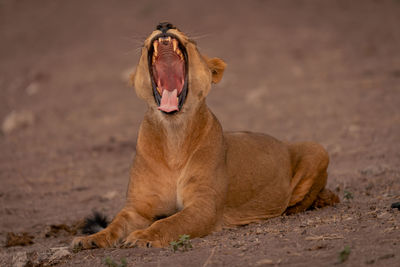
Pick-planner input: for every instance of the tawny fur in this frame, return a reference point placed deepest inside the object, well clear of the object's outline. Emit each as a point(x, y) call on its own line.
point(202, 178)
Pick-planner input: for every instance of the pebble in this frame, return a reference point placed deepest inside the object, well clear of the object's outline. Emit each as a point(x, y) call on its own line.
point(59, 253)
point(20, 259)
point(17, 120)
point(374, 170)
point(395, 205)
point(32, 88)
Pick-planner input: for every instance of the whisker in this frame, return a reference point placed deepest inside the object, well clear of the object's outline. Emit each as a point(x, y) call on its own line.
point(194, 33)
point(201, 36)
point(137, 44)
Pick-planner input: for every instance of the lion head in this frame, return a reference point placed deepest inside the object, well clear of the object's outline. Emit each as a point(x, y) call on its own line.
point(172, 76)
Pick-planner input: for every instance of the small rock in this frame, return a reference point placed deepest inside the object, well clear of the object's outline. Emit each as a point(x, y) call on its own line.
point(259, 231)
point(374, 170)
point(395, 205)
point(32, 88)
point(59, 254)
point(383, 215)
point(58, 248)
point(110, 195)
point(354, 130)
point(386, 256)
point(17, 120)
point(20, 259)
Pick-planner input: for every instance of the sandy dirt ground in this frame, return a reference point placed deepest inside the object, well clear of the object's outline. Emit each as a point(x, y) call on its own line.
point(327, 71)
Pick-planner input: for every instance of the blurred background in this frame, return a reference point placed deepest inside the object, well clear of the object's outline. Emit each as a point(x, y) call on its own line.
point(327, 71)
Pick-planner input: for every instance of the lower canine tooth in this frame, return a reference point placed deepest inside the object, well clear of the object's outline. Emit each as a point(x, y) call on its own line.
point(179, 53)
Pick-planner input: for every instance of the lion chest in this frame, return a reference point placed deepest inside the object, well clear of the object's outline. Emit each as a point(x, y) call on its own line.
point(158, 196)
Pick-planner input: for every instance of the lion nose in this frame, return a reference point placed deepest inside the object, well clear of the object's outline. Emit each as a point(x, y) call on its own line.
point(165, 26)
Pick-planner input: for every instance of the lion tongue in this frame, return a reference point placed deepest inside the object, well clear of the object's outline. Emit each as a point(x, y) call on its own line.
point(169, 101)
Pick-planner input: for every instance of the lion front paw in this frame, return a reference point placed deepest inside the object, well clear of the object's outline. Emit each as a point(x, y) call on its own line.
point(143, 239)
point(98, 240)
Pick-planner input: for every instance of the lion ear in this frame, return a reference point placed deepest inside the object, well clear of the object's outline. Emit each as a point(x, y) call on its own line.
point(217, 67)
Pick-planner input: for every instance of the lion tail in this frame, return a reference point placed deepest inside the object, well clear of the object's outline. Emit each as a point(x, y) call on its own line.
point(94, 223)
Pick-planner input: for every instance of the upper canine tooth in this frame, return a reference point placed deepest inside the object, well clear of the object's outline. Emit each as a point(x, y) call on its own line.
point(159, 39)
point(174, 44)
point(169, 38)
point(155, 48)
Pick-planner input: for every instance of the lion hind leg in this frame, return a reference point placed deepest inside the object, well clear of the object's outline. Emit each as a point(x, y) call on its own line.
point(309, 163)
point(325, 198)
point(305, 195)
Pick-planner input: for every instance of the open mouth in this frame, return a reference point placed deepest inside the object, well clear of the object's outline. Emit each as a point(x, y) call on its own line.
point(168, 68)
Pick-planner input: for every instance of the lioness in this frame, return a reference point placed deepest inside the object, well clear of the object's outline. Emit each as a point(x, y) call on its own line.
point(190, 177)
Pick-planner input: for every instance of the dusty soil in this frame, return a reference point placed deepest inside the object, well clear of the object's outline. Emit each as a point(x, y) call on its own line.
point(327, 71)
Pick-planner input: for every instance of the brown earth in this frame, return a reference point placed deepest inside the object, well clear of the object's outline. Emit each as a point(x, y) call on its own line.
point(327, 71)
